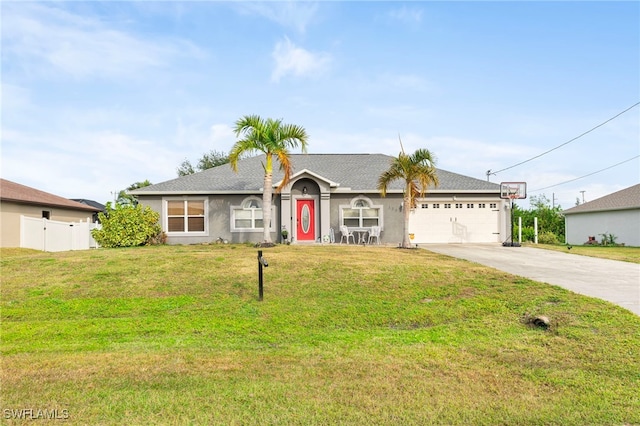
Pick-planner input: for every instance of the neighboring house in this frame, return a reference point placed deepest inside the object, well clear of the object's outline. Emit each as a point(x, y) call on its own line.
point(325, 192)
point(615, 214)
point(91, 203)
point(18, 200)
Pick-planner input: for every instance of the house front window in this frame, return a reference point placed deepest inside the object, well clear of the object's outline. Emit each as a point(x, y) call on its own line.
point(248, 216)
point(361, 213)
point(186, 216)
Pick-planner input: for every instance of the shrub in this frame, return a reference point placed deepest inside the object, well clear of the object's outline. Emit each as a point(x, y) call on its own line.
point(128, 226)
point(548, 238)
point(528, 233)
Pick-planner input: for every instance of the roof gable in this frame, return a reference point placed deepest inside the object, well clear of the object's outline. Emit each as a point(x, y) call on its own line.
point(14, 192)
point(624, 199)
point(354, 172)
point(307, 173)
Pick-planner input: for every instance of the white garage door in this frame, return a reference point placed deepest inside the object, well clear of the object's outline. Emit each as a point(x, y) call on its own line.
point(455, 222)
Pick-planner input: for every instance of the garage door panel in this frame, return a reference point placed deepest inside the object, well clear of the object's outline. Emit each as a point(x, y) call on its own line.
point(455, 225)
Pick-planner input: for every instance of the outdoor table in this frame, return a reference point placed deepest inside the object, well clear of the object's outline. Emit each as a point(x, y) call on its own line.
point(361, 233)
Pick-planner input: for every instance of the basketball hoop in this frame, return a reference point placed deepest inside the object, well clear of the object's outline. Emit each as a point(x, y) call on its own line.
point(512, 191)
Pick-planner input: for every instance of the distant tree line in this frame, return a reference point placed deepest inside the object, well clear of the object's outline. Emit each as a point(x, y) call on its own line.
point(550, 221)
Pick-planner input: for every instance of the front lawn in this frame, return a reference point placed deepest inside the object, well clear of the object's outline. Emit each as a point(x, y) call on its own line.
point(345, 335)
point(623, 253)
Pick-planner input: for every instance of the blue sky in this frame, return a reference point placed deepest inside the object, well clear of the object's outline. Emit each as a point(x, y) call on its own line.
point(99, 95)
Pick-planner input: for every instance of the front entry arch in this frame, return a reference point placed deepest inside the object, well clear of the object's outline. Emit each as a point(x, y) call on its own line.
point(305, 220)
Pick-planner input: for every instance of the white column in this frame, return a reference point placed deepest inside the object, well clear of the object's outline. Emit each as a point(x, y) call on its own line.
point(520, 230)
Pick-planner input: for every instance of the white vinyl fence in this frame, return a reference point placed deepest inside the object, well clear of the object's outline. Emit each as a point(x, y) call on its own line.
point(51, 235)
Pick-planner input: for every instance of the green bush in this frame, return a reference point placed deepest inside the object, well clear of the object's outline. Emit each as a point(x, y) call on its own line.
point(128, 226)
point(548, 238)
point(550, 219)
point(528, 233)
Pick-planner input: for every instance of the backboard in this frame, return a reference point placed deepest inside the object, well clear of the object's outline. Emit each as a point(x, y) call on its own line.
point(513, 190)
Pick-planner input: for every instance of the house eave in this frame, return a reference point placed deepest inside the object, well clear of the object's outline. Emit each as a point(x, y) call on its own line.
point(569, 213)
point(203, 192)
point(46, 204)
point(335, 190)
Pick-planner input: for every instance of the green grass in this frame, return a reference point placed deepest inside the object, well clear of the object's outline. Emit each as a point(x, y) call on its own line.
point(345, 335)
point(622, 253)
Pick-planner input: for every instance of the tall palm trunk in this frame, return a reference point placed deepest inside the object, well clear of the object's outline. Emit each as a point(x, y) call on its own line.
point(406, 210)
point(266, 199)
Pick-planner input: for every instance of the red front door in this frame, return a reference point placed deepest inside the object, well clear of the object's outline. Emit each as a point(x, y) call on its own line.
point(306, 226)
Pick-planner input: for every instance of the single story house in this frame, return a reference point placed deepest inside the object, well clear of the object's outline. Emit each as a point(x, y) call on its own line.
point(325, 192)
point(616, 214)
point(19, 200)
point(99, 206)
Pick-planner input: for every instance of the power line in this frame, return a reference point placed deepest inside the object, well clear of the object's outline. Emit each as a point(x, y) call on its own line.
point(590, 174)
point(489, 172)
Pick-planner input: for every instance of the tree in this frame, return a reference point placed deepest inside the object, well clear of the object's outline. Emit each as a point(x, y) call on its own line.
point(185, 168)
point(418, 172)
point(208, 160)
point(550, 219)
point(125, 198)
point(274, 139)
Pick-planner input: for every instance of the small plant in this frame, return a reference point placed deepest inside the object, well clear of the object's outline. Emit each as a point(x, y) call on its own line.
point(284, 233)
point(608, 239)
point(158, 239)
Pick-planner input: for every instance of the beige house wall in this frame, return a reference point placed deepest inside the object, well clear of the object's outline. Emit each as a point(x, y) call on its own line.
point(10, 219)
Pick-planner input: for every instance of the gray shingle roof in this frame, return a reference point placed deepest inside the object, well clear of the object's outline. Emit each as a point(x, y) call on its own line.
point(91, 203)
point(357, 172)
point(624, 199)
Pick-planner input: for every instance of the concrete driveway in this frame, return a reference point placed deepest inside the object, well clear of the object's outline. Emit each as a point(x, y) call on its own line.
point(611, 280)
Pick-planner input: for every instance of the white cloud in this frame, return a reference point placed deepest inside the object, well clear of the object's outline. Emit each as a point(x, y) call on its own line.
point(289, 14)
point(44, 38)
point(296, 61)
point(84, 164)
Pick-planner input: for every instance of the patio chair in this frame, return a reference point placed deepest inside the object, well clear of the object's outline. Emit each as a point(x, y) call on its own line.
point(346, 234)
point(332, 236)
point(374, 233)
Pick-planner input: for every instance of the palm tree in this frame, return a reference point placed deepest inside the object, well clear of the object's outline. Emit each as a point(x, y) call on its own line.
point(273, 138)
point(418, 172)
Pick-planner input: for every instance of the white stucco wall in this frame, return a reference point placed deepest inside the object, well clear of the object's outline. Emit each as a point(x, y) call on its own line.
point(624, 224)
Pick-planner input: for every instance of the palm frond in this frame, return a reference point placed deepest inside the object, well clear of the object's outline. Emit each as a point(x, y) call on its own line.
point(285, 165)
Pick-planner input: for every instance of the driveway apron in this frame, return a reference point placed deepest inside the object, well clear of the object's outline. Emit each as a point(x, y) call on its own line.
point(610, 280)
